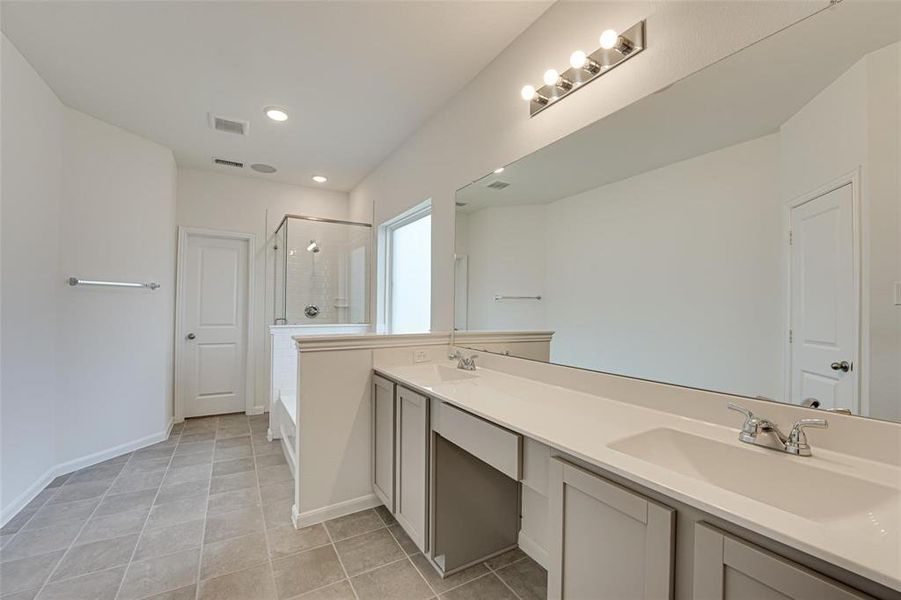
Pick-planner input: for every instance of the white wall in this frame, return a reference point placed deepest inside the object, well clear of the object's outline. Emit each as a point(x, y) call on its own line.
point(233, 203)
point(856, 123)
point(644, 276)
point(507, 249)
point(86, 373)
point(32, 125)
point(117, 221)
point(487, 124)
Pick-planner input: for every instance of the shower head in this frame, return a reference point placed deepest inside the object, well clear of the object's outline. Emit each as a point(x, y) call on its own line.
point(313, 247)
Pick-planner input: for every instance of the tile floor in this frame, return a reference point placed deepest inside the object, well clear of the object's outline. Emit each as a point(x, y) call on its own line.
point(206, 515)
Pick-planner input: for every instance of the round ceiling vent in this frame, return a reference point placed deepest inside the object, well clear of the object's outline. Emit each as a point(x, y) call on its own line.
point(263, 168)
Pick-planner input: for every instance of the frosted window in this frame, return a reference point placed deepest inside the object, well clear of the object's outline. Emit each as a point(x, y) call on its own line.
point(410, 275)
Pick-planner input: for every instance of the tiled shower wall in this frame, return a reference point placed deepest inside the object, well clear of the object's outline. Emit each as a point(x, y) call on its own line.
point(335, 279)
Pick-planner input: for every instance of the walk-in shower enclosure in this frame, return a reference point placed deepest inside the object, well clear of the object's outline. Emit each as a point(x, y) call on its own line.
point(321, 271)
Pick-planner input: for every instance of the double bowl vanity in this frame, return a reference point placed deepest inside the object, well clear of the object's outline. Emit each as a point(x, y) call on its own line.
point(621, 500)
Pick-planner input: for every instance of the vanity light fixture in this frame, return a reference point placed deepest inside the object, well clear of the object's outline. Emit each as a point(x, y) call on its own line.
point(276, 114)
point(320, 178)
point(615, 49)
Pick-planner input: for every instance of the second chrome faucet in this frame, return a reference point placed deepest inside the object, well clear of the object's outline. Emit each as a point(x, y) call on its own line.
point(760, 431)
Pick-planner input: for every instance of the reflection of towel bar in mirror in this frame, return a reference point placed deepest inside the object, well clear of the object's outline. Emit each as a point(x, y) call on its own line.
point(73, 281)
point(500, 297)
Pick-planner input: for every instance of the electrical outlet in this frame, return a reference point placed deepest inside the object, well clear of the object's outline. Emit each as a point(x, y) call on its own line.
point(420, 356)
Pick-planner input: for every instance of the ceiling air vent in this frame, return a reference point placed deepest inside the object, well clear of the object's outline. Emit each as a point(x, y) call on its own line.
point(497, 185)
point(228, 163)
point(227, 125)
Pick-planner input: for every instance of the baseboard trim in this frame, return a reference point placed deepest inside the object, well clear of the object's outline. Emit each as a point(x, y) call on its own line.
point(534, 550)
point(28, 495)
point(333, 511)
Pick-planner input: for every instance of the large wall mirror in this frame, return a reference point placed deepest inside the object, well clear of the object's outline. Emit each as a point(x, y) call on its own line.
point(739, 231)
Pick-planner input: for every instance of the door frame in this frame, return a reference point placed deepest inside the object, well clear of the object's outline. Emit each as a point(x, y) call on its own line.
point(853, 178)
point(250, 240)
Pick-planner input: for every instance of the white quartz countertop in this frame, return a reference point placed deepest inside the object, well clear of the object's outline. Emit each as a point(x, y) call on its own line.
point(864, 539)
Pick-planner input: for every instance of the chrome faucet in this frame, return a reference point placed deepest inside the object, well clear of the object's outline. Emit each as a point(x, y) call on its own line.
point(760, 431)
point(467, 363)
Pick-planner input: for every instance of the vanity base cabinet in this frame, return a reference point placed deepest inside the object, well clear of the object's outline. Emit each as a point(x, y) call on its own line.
point(606, 541)
point(383, 442)
point(728, 568)
point(411, 488)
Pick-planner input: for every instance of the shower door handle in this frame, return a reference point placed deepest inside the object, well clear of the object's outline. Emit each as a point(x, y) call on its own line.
point(190, 336)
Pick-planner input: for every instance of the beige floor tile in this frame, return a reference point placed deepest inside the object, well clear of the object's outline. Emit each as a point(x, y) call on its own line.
point(233, 442)
point(336, 591)
point(18, 521)
point(273, 474)
point(179, 511)
point(243, 451)
point(498, 562)
point(234, 554)
point(368, 551)
point(68, 513)
point(307, 571)
point(115, 525)
point(233, 524)
point(527, 578)
point(267, 448)
point(488, 587)
point(27, 573)
point(229, 501)
point(201, 447)
point(187, 460)
point(228, 483)
point(101, 585)
point(180, 491)
point(157, 542)
point(156, 575)
point(116, 503)
point(186, 474)
point(396, 581)
point(442, 585)
point(281, 490)
point(39, 541)
point(286, 540)
point(70, 492)
point(135, 482)
point(353, 524)
point(230, 467)
point(145, 466)
point(256, 583)
point(270, 460)
point(408, 545)
point(278, 514)
point(385, 515)
point(189, 592)
point(96, 556)
point(197, 436)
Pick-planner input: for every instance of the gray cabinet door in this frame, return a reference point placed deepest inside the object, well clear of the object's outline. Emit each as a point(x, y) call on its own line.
point(411, 492)
point(606, 541)
point(383, 442)
point(726, 567)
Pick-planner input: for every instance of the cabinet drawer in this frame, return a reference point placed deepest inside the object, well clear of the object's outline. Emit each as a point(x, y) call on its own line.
point(499, 447)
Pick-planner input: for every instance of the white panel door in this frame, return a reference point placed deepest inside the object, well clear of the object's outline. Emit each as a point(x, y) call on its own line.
point(823, 301)
point(212, 373)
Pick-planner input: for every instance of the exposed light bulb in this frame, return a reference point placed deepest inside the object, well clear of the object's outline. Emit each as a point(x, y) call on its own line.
point(608, 39)
point(527, 92)
point(499, 170)
point(551, 76)
point(320, 178)
point(276, 114)
point(578, 59)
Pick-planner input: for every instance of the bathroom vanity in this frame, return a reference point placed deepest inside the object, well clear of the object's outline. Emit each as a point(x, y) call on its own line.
point(640, 503)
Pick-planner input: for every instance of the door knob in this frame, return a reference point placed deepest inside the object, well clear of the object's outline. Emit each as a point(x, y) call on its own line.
point(843, 366)
point(190, 336)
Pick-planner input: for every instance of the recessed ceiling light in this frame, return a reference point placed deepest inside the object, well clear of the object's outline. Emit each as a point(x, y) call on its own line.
point(276, 114)
point(263, 168)
point(499, 170)
point(320, 178)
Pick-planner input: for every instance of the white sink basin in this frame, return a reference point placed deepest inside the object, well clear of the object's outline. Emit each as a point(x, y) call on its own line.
point(432, 374)
point(767, 476)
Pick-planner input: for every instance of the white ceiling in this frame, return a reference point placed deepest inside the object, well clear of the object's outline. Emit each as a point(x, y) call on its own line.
point(357, 78)
point(747, 95)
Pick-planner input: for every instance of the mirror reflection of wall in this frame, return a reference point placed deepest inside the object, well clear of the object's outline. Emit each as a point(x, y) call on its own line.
point(658, 238)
